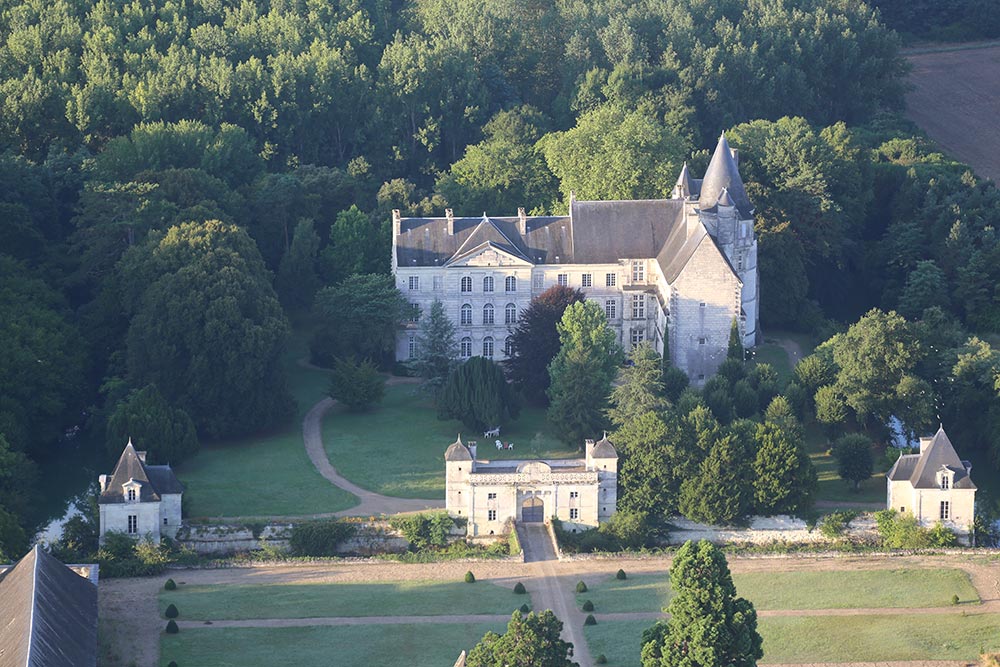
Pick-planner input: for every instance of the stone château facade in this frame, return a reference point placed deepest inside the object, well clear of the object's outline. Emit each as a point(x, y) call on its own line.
point(934, 485)
point(675, 272)
point(139, 499)
point(582, 493)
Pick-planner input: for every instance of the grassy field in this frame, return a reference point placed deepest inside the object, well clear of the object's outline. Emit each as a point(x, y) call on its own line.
point(425, 645)
point(267, 475)
point(425, 598)
point(799, 590)
point(804, 639)
point(408, 441)
point(771, 353)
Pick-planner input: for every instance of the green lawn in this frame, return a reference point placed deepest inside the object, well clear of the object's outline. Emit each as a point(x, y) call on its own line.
point(266, 475)
point(804, 639)
point(424, 598)
point(774, 354)
point(831, 487)
point(799, 590)
point(415, 645)
point(398, 448)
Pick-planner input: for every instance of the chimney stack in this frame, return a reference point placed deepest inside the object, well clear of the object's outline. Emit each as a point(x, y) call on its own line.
point(103, 480)
point(589, 447)
point(396, 222)
point(925, 443)
point(451, 221)
point(735, 152)
point(142, 456)
point(472, 449)
point(522, 221)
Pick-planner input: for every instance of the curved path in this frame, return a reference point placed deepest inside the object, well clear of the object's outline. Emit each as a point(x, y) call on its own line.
point(371, 504)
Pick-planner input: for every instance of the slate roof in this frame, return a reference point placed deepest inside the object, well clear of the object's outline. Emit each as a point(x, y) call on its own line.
point(603, 449)
point(154, 481)
point(723, 174)
point(594, 232)
point(457, 451)
point(48, 615)
point(921, 469)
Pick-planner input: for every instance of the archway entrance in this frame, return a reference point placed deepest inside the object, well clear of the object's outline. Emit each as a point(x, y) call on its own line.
point(533, 511)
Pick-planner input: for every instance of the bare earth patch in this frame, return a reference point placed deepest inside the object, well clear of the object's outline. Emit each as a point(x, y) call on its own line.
point(956, 100)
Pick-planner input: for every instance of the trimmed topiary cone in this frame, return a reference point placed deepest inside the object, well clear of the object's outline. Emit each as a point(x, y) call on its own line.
point(519, 588)
point(581, 587)
point(170, 585)
point(172, 628)
point(590, 620)
point(620, 575)
point(524, 609)
point(470, 578)
point(171, 612)
point(601, 659)
point(588, 606)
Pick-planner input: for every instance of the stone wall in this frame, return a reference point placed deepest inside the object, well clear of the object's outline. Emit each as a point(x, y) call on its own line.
point(766, 530)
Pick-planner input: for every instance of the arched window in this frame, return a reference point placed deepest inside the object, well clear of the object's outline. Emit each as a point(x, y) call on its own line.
point(488, 284)
point(488, 347)
point(510, 314)
point(511, 284)
point(466, 314)
point(466, 284)
point(488, 314)
point(508, 345)
point(466, 350)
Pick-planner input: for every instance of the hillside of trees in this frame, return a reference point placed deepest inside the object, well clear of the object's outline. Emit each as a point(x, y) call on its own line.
point(178, 180)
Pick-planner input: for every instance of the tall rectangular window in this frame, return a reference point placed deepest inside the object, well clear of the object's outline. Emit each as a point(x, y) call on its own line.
point(638, 306)
point(466, 284)
point(414, 312)
point(538, 280)
point(438, 283)
point(638, 335)
point(945, 509)
point(411, 346)
point(610, 279)
point(587, 280)
point(563, 279)
point(491, 515)
point(414, 282)
point(466, 347)
point(510, 284)
point(574, 513)
point(131, 495)
point(945, 482)
point(488, 284)
point(638, 271)
point(133, 524)
point(611, 309)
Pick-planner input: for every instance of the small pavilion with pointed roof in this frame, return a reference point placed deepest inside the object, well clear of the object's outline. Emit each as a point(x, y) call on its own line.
point(935, 486)
point(582, 493)
point(140, 499)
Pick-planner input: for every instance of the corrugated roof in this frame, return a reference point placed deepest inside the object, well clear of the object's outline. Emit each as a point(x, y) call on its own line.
point(153, 480)
point(48, 615)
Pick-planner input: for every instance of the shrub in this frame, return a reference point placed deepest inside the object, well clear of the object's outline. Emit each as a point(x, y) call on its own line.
point(519, 588)
point(901, 531)
point(524, 609)
point(172, 628)
point(834, 524)
point(172, 663)
point(470, 578)
point(319, 538)
point(357, 385)
point(171, 611)
point(590, 620)
point(581, 587)
point(588, 606)
point(170, 585)
point(620, 575)
point(940, 536)
point(424, 531)
point(601, 659)
point(955, 599)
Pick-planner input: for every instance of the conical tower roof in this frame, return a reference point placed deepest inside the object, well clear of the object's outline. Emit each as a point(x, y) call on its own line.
point(683, 186)
point(723, 174)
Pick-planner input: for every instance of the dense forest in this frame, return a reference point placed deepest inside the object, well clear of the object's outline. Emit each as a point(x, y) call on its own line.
point(179, 178)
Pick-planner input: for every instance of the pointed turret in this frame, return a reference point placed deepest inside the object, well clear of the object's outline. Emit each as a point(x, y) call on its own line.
point(682, 190)
point(723, 174)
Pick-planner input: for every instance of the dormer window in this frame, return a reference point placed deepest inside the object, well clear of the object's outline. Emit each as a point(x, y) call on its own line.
point(131, 495)
point(945, 481)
